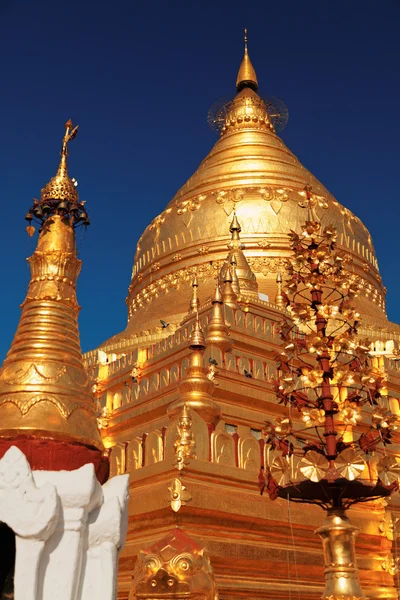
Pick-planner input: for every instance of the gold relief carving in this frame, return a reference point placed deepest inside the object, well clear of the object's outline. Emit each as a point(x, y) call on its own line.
point(153, 448)
point(174, 373)
point(264, 244)
point(239, 318)
point(164, 377)
point(177, 257)
point(274, 197)
point(203, 250)
point(24, 401)
point(258, 369)
point(249, 321)
point(244, 365)
point(390, 565)
point(185, 445)
point(249, 454)
point(117, 460)
point(230, 362)
point(154, 382)
point(200, 435)
point(178, 494)
point(230, 197)
point(172, 281)
point(223, 449)
point(258, 325)
point(155, 267)
point(389, 526)
point(126, 395)
point(134, 454)
point(174, 568)
point(265, 266)
point(144, 386)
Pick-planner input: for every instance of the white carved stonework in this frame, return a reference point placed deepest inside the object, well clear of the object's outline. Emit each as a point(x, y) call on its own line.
point(68, 529)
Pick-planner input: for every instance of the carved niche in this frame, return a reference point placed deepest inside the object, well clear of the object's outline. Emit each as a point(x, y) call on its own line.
point(223, 449)
point(249, 454)
point(134, 454)
point(153, 448)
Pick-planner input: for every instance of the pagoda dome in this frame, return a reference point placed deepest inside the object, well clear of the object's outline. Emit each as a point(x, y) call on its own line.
point(249, 172)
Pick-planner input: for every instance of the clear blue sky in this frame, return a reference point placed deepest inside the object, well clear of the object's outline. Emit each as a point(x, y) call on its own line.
point(139, 78)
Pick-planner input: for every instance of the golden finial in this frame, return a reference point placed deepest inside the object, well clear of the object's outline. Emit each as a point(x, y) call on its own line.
point(235, 278)
point(197, 340)
point(228, 294)
point(279, 299)
point(194, 301)
point(61, 187)
point(195, 388)
point(217, 329)
point(247, 77)
point(243, 278)
point(44, 389)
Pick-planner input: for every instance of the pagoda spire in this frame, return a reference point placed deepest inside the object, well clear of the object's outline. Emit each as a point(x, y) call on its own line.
point(194, 301)
point(196, 388)
point(228, 295)
point(242, 277)
point(247, 77)
point(217, 330)
point(44, 389)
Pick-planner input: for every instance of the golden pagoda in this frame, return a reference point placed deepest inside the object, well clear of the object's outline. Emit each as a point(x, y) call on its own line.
point(47, 408)
point(203, 379)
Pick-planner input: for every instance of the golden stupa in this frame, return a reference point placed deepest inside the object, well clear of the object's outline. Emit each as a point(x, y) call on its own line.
point(46, 402)
point(190, 377)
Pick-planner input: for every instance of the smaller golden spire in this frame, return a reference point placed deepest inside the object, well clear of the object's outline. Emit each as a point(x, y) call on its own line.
point(279, 298)
point(217, 330)
point(229, 296)
point(247, 77)
point(246, 279)
point(235, 278)
point(194, 301)
point(44, 387)
point(196, 388)
point(197, 340)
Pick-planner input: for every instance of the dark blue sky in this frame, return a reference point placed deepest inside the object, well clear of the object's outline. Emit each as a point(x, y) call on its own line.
point(139, 78)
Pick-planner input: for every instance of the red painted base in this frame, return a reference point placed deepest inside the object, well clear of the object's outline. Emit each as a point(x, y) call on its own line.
point(51, 455)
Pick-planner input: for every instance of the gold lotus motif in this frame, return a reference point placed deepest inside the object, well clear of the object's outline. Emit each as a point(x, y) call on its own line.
point(280, 470)
point(350, 464)
point(388, 469)
point(313, 466)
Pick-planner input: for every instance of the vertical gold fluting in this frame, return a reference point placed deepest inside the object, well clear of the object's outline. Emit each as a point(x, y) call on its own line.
point(44, 389)
point(196, 388)
point(217, 329)
point(341, 572)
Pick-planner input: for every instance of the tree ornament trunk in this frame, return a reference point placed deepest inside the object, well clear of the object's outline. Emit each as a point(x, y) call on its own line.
point(341, 571)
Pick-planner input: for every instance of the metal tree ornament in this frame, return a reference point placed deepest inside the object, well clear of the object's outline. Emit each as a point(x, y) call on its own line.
point(328, 382)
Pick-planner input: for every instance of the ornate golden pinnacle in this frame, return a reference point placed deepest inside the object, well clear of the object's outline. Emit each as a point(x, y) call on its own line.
point(194, 301)
point(61, 187)
point(217, 330)
point(44, 388)
point(247, 77)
